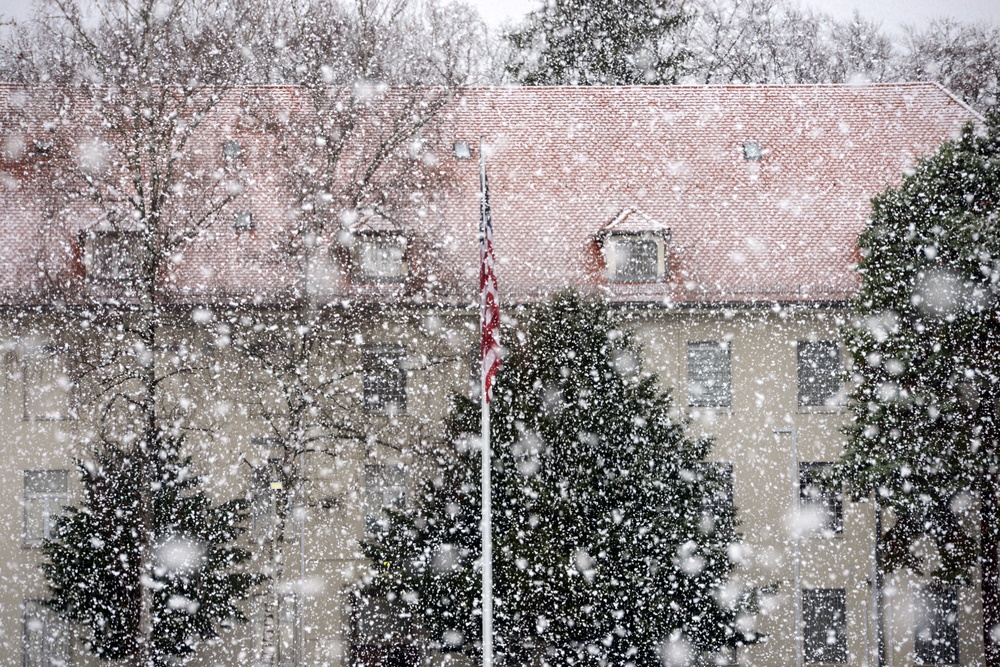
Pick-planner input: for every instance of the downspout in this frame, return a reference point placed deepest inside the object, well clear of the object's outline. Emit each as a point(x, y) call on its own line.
point(796, 576)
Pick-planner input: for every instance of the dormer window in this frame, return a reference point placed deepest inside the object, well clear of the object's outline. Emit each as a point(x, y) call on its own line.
point(636, 257)
point(243, 221)
point(635, 248)
point(43, 148)
point(231, 149)
point(112, 257)
point(380, 257)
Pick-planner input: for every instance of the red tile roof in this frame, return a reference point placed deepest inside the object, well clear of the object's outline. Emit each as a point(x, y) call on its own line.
point(564, 164)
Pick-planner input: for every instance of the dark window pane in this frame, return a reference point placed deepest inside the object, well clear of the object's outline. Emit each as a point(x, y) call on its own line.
point(385, 488)
point(824, 625)
point(717, 483)
point(380, 258)
point(384, 379)
point(819, 372)
point(709, 374)
point(113, 257)
point(635, 260)
point(818, 498)
point(46, 492)
point(935, 632)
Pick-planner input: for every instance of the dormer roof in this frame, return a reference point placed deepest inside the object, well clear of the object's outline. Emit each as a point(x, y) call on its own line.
point(632, 221)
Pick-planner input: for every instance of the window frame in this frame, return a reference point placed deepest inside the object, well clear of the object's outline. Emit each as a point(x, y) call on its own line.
point(362, 275)
point(726, 383)
point(721, 502)
point(266, 483)
point(813, 602)
point(51, 505)
point(813, 390)
point(610, 243)
point(31, 380)
point(384, 379)
point(929, 603)
point(385, 480)
point(95, 269)
point(285, 631)
point(32, 611)
point(831, 502)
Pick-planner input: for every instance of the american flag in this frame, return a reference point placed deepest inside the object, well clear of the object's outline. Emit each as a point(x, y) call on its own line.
point(489, 299)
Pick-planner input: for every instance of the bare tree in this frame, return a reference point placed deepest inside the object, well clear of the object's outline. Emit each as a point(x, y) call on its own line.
point(138, 78)
point(768, 41)
point(760, 41)
point(861, 52)
point(965, 58)
point(368, 79)
point(129, 189)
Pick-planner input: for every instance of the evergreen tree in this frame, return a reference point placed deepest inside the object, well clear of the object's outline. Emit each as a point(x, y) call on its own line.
point(598, 42)
point(926, 351)
point(612, 536)
point(95, 559)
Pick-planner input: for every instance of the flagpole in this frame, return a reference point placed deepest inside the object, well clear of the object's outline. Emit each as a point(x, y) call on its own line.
point(487, 519)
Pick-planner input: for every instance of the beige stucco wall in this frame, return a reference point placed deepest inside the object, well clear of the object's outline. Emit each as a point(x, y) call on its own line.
point(764, 433)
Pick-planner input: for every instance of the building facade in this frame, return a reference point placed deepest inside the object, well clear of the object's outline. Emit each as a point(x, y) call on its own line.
point(311, 365)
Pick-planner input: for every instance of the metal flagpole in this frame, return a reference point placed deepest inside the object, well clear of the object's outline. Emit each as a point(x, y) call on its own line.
point(487, 541)
point(487, 519)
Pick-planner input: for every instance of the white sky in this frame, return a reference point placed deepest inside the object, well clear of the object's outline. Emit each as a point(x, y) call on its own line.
point(891, 13)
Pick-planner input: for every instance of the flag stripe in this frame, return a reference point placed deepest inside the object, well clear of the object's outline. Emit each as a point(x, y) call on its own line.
point(489, 298)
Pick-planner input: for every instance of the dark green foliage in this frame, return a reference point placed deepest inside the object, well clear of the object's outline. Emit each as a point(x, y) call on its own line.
point(609, 534)
point(598, 42)
point(96, 560)
point(926, 351)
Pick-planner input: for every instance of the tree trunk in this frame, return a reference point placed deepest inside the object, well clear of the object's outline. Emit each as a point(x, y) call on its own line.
point(148, 450)
point(989, 561)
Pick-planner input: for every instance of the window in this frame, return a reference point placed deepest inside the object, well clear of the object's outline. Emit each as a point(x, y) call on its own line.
point(275, 632)
point(48, 388)
point(819, 373)
point(380, 258)
point(385, 488)
point(267, 485)
point(717, 501)
point(46, 637)
point(243, 222)
point(45, 494)
point(43, 148)
point(231, 149)
point(751, 151)
point(384, 378)
point(824, 625)
point(719, 475)
point(935, 632)
point(709, 374)
point(112, 257)
point(635, 258)
point(822, 506)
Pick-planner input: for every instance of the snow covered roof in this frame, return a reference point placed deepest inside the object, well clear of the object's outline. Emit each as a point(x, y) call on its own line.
point(565, 164)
